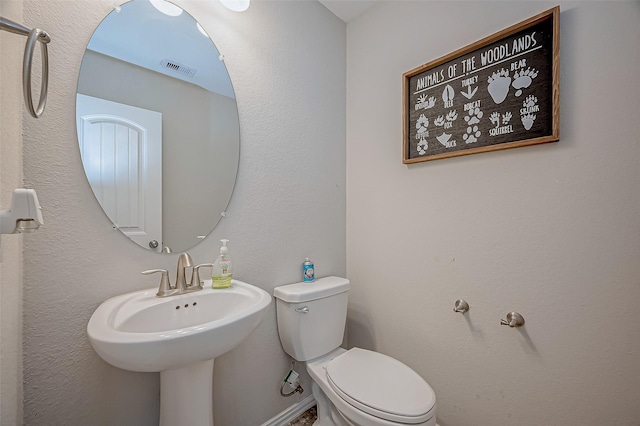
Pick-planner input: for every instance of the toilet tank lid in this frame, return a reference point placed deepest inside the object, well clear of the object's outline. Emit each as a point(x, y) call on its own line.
point(318, 289)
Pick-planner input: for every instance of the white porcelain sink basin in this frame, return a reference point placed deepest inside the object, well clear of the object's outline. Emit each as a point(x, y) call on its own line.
point(141, 332)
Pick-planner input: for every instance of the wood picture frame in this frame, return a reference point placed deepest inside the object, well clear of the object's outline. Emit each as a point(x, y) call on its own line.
point(500, 92)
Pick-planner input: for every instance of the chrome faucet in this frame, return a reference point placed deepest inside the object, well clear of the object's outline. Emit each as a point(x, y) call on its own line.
point(184, 261)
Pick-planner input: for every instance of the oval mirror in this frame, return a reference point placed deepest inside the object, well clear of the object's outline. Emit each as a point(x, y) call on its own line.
point(157, 124)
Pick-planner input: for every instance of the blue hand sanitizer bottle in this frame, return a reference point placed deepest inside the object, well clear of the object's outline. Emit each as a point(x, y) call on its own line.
point(308, 274)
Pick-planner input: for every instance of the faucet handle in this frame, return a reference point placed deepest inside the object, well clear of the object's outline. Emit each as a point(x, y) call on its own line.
point(195, 276)
point(165, 285)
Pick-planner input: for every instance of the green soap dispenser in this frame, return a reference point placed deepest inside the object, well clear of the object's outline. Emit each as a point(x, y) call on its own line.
point(222, 272)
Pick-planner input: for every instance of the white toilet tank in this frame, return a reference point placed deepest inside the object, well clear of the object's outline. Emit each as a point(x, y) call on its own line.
point(312, 316)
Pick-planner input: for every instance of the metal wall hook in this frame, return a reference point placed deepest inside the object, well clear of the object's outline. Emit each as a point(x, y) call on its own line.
point(461, 306)
point(514, 319)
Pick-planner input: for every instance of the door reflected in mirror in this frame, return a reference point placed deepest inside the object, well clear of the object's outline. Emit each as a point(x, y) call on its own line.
point(158, 126)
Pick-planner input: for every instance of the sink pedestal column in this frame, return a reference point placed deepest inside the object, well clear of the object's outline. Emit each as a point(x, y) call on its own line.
point(186, 395)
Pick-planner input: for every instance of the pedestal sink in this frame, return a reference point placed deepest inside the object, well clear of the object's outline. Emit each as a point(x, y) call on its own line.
point(179, 336)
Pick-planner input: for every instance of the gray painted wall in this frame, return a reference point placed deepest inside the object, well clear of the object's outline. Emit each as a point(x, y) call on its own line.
point(11, 116)
point(550, 231)
point(287, 62)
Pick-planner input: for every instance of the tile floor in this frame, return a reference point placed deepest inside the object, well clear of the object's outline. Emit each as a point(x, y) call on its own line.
point(306, 419)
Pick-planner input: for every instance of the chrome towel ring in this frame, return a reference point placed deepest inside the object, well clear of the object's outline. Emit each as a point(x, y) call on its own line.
point(33, 36)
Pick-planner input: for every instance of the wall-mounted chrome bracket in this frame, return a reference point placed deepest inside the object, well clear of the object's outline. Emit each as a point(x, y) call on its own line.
point(461, 306)
point(514, 319)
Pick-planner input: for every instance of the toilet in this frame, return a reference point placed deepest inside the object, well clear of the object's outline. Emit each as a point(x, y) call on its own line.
point(355, 387)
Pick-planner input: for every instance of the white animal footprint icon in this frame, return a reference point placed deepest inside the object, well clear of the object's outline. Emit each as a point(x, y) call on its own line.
point(499, 83)
point(495, 118)
point(422, 123)
point(527, 116)
point(523, 79)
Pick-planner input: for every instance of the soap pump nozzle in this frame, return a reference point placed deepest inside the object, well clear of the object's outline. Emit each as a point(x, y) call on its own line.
point(224, 249)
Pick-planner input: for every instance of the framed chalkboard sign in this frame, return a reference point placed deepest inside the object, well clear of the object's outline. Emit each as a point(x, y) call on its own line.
point(501, 92)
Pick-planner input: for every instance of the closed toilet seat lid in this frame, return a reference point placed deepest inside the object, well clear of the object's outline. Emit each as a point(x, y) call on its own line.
point(381, 386)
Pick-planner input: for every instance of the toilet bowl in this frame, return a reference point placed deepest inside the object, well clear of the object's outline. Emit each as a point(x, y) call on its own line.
point(355, 387)
point(369, 388)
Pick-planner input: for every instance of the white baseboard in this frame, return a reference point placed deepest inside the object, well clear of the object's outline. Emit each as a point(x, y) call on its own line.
point(291, 413)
